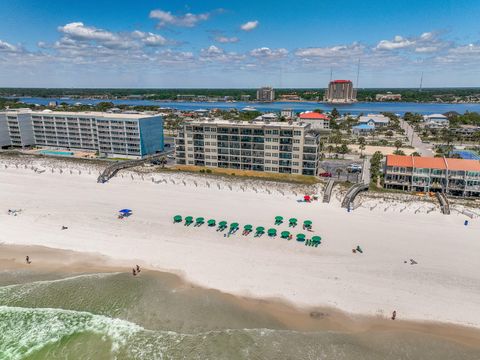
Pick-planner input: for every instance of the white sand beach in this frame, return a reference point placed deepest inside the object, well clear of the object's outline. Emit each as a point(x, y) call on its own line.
point(443, 286)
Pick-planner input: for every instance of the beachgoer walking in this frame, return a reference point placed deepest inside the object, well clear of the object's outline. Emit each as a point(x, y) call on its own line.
point(394, 314)
point(138, 268)
point(134, 272)
point(27, 259)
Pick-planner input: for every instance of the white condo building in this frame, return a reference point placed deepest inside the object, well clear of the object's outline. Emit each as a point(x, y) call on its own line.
point(126, 135)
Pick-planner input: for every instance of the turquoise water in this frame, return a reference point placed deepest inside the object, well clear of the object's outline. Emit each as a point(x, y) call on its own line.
point(56, 153)
point(118, 316)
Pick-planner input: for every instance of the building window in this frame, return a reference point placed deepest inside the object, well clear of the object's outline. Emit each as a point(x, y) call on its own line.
point(296, 141)
point(297, 133)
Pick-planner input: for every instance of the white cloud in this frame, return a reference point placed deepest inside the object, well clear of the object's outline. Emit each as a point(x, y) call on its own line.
point(78, 31)
point(267, 53)
point(7, 47)
point(337, 51)
point(150, 39)
point(214, 53)
point(428, 42)
point(187, 20)
point(226, 40)
point(397, 43)
point(250, 25)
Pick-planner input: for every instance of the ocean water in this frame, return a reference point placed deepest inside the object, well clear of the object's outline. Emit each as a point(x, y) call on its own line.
point(117, 316)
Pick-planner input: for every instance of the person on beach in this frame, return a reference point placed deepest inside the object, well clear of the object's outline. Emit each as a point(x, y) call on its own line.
point(27, 259)
point(138, 269)
point(134, 272)
point(394, 314)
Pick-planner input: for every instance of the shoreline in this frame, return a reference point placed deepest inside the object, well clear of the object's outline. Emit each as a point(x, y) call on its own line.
point(440, 288)
point(71, 263)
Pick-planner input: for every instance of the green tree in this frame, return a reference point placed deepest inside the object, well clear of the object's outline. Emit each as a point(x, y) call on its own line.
point(398, 144)
point(416, 154)
point(335, 113)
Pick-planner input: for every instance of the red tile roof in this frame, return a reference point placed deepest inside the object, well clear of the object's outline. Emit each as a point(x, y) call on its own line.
point(433, 163)
point(341, 81)
point(314, 116)
point(399, 160)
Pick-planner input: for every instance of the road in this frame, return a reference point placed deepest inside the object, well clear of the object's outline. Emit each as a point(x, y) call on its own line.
point(415, 141)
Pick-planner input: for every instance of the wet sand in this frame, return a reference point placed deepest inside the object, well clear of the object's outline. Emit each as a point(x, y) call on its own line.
point(51, 263)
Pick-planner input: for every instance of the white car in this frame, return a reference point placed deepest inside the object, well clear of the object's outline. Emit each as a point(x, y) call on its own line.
point(354, 168)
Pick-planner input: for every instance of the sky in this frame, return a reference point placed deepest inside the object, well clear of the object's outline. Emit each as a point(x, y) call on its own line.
point(239, 44)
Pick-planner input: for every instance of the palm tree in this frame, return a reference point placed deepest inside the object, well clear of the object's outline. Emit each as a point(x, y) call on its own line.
point(361, 142)
point(398, 144)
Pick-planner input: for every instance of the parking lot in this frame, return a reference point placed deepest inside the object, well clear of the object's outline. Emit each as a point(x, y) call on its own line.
point(331, 166)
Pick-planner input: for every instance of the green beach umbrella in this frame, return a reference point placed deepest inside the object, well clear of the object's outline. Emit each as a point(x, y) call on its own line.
point(188, 219)
point(260, 229)
point(285, 234)
point(307, 223)
point(278, 219)
point(300, 237)
point(200, 220)
point(222, 224)
point(233, 225)
point(316, 239)
point(272, 232)
point(292, 221)
point(211, 222)
point(177, 218)
point(248, 227)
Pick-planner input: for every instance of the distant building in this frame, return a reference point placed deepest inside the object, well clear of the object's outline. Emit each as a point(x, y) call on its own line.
point(19, 131)
point(388, 97)
point(457, 177)
point(341, 92)
point(52, 104)
point(435, 121)
point(375, 120)
point(244, 97)
point(266, 94)
point(317, 120)
point(275, 147)
point(363, 129)
point(287, 114)
point(267, 117)
point(290, 97)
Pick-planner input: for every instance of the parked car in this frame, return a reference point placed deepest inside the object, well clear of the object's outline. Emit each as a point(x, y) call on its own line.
point(325, 174)
point(354, 168)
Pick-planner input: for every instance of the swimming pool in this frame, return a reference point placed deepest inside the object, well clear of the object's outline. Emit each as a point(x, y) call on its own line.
point(56, 153)
point(467, 154)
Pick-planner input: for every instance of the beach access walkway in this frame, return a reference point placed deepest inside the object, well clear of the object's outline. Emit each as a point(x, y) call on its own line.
point(111, 170)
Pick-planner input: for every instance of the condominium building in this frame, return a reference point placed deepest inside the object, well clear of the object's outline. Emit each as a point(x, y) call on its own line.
point(17, 128)
point(277, 147)
point(341, 92)
point(266, 94)
point(456, 177)
point(317, 120)
point(126, 135)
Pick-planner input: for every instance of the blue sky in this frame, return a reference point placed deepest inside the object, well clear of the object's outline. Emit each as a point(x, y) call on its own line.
point(148, 43)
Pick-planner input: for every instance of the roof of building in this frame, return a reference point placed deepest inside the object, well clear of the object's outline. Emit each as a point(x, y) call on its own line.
point(341, 81)
point(93, 113)
point(433, 163)
point(313, 116)
point(435, 116)
point(377, 118)
point(218, 121)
